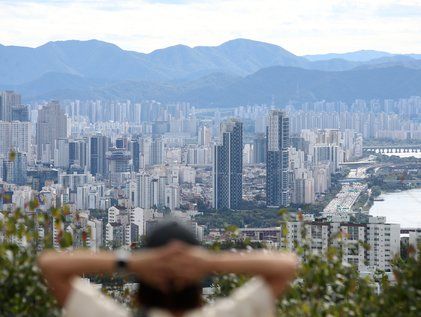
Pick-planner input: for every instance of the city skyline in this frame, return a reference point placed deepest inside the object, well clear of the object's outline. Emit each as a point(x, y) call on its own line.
point(304, 27)
point(288, 126)
point(107, 172)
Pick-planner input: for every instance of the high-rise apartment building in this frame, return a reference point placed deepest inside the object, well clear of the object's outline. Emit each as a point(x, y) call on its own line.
point(61, 153)
point(303, 189)
point(328, 153)
point(134, 149)
point(172, 196)
point(157, 151)
point(142, 191)
point(228, 166)
point(15, 136)
point(277, 160)
point(151, 151)
point(145, 149)
point(119, 163)
point(259, 149)
point(51, 125)
point(204, 136)
point(384, 241)
point(339, 231)
point(98, 146)
point(78, 153)
point(14, 169)
point(8, 100)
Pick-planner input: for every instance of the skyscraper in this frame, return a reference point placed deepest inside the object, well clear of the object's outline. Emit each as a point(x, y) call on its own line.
point(145, 149)
point(134, 149)
point(8, 100)
point(259, 148)
point(61, 153)
point(142, 191)
point(98, 146)
point(157, 151)
point(204, 136)
point(14, 169)
point(51, 125)
point(228, 166)
point(15, 136)
point(277, 181)
point(119, 162)
point(78, 153)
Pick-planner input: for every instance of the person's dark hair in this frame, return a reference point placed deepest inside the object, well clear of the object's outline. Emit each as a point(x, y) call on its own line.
point(173, 300)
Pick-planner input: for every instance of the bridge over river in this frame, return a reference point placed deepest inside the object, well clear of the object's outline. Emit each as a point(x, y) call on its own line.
point(393, 148)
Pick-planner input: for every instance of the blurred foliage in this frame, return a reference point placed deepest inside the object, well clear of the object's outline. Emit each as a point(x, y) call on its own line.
point(22, 291)
point(325, 285)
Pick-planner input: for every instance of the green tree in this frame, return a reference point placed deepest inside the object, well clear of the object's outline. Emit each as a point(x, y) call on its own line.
point(325, 286)
point(23, 291)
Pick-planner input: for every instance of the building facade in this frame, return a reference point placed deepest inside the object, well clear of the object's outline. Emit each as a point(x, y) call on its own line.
point(228, 166)
point(51, 125)
point(8, 101)
point(277, 160)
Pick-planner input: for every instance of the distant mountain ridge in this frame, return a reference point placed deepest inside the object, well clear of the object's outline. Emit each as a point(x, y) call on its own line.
point(357, 56)
point(276, 84)
point(203, 74)
point(97, 59)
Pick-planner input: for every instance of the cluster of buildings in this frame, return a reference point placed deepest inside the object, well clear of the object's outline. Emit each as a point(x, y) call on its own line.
point(369, 243)
point(151, 155)
point(298, 168)
point(119, 167)
point(374, 119)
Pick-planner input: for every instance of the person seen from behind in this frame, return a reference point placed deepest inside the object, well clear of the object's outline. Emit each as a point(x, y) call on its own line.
point(170, 271)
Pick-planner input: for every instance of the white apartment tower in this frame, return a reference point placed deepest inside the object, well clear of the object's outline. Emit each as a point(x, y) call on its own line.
point(382, 238)
point(51, 125)
point(8, 100)
point(204, 136)
point(15, 135)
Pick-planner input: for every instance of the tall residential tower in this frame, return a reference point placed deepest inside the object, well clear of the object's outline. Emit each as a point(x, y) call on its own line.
point(51, 125)
point(277, 160)
point(8, 101)
point(228, 166)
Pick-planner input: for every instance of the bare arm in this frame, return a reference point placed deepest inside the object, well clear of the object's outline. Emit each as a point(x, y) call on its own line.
point(278, 269)
point(59, 269)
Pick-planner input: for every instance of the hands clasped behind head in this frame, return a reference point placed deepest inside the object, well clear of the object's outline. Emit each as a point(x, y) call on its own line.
point(175, 265)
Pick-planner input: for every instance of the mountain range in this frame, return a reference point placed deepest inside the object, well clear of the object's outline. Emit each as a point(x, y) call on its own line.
point(236, 72)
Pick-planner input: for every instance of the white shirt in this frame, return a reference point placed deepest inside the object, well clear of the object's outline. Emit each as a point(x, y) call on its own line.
point(253, 299)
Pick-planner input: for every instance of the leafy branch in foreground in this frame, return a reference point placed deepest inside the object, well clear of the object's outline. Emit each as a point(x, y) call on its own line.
point(23, 292)
point(325, 285)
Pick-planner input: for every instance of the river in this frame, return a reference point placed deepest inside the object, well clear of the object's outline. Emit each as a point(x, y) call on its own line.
point(400, 207)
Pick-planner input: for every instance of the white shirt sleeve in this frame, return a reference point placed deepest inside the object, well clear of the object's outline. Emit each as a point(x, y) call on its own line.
point(86, 300)
point(253, 299)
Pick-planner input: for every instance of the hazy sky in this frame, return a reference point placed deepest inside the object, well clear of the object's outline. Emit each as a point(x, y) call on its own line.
point(301, 26)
